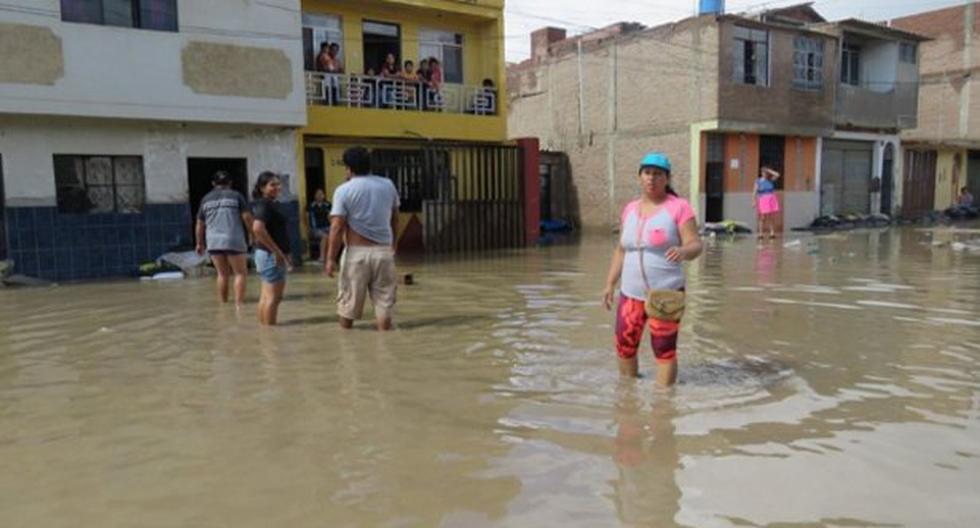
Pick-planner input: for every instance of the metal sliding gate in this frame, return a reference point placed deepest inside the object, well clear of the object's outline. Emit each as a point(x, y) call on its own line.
point(470, 197)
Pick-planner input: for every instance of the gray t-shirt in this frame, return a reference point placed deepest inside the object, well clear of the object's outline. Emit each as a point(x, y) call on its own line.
point(652, 236)
point(367, 203)
point(221, 211)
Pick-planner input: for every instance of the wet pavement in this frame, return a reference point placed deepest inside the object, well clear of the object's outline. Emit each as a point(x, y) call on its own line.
point(829, 382)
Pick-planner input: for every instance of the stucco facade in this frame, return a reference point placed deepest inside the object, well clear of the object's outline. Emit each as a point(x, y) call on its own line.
point(133, 121)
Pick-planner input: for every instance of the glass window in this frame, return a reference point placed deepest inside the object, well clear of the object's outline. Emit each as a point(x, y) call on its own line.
point(99, 184)
point(447, 47)
point(850, 65)
point(751, 56)
point(318, 30)
point(808, 63)
point(907, 52)
point(145, 14)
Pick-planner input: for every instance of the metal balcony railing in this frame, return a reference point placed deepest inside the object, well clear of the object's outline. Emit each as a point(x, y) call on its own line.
point(362, 91)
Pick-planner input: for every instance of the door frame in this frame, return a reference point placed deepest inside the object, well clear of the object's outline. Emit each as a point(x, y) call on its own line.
point(3, 215)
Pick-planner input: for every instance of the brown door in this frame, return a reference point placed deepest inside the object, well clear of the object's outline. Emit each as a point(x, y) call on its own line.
point(919, 186)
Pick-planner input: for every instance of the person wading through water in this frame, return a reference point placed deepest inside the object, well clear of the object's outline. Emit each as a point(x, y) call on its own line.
point(365, 216)
point(658, 233)
point(221, 229)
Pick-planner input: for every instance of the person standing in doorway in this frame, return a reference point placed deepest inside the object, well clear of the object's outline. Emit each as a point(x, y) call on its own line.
point(221, 230)
point(365, 215)
point(766, 202)
point(966, 198)
point(271, 245)
point(319, 212)
point(658, 234)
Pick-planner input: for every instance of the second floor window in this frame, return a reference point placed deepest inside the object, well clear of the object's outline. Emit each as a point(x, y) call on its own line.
point(317, 31)
point(160, 15)
point(850, 65)
point(447, 47)
point(99, 184)
point(751, 56)
point(808, 63)
point(907, 52)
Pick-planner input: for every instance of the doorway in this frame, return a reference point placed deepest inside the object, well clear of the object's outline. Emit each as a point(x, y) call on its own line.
point(545, 172)
point(887, 179)
point(714, 184)
point(972, 174)
point(919, 187)
point(315, 172)
point(772, 154)
point(201, 170)
point(380, 39)
point(3, 216)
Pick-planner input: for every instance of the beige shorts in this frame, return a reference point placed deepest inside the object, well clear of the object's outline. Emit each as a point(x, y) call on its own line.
point(364, 272)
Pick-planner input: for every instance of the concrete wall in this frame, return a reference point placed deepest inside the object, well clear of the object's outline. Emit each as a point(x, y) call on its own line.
point(888, 96)
point(780, 103)
point(230, 61)
point(638, 92)
point(27, 146)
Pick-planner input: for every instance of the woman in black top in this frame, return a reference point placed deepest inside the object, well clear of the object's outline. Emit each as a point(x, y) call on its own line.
point(271, 245)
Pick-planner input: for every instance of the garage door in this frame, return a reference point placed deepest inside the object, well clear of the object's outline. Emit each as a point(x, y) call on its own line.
point(845, 179)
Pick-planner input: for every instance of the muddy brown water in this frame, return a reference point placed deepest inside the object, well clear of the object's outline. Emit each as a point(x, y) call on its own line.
point(835, 382)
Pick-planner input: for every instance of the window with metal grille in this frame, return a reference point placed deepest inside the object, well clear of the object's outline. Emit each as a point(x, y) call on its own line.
point(160, 15)
point(751, 56)
point(850, 65)
point(447, 47)
point(808, 63)
point(99, 184)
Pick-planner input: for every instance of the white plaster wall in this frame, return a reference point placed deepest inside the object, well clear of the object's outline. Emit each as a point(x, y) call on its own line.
point(135, 73)
point(738, 207)
point(28, 144)
point(800, 209)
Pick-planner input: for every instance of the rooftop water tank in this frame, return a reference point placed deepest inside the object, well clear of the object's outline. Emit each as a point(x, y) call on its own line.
point(711, 7)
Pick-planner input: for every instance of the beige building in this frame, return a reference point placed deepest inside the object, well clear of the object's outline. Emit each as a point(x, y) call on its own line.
point(722, 95)
point(943, 152)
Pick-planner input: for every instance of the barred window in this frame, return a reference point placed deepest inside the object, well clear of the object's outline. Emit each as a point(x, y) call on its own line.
point(99, 184)
point(751, 56)
point(808, 63)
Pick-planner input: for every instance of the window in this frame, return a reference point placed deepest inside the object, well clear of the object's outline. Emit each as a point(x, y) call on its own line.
point(99, 184)
point(751, 56)
point(850, 65)
point(808, 63)
point(319, 30)
point(448, 48)
point(160, 15)
point(907, 52)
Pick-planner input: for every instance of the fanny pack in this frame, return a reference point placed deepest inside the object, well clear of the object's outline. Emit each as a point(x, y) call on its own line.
point(663, 305)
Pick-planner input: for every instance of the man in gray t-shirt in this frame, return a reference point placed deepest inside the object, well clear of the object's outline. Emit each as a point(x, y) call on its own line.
point(221, 226)
point(365, 214)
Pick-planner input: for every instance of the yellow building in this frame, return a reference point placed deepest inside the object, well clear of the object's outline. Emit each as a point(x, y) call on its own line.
point(434, 142)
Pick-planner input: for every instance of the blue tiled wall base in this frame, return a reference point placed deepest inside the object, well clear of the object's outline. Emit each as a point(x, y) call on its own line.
point(45, 243)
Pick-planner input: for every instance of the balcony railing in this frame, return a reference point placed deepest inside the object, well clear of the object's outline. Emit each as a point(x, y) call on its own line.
point(362, 91)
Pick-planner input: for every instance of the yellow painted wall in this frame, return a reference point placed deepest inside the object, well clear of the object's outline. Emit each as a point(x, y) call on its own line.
point(480, 23)
point(950, 177)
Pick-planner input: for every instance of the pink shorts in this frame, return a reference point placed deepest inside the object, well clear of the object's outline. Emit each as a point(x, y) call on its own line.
point(631, 318)
point(768, 204)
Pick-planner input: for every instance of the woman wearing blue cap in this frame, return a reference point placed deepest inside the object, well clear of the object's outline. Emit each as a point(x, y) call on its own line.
point(658, 234)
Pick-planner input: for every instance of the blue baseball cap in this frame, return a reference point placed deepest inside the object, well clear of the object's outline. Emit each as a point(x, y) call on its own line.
point(656, 159)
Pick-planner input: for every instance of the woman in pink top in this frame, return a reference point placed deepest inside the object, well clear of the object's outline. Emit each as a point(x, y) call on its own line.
point(658, 234)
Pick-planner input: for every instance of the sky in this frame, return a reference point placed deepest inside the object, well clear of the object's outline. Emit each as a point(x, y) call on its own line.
point(578, 16)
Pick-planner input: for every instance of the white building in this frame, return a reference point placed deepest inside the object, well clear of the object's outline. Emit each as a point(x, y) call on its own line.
point(115, 114)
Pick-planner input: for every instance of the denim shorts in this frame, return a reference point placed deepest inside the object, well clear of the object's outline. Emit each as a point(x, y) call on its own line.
point(265, 264)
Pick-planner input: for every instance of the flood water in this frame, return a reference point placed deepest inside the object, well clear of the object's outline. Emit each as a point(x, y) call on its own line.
point(831, 383)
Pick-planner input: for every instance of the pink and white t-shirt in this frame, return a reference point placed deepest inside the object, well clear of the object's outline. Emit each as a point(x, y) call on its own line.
point(653, 235)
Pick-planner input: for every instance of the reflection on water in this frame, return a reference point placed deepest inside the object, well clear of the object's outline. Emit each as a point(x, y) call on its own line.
point(830, 383)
